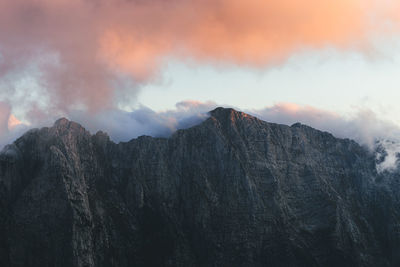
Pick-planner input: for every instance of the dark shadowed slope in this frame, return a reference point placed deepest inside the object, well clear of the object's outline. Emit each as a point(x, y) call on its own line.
point(232, 191)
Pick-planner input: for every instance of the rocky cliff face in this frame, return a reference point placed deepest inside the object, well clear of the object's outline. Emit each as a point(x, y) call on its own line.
point(232, 191)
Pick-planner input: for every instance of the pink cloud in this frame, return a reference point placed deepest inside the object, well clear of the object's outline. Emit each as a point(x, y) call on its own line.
point(13, 122)
point(4, 117)
point(80, 47)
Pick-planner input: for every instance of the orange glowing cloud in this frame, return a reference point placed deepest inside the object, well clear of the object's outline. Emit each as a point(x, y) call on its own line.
point(81, 47)
point(13, 122)
point(8, 121)
point(251, 32)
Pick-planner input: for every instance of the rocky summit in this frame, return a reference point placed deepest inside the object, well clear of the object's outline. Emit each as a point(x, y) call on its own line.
point(231, 191)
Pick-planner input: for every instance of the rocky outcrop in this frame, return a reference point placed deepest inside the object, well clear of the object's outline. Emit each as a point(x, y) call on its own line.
point(232, 191)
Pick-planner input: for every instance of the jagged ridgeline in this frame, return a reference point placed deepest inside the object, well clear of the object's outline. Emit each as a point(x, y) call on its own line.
point(232, 191)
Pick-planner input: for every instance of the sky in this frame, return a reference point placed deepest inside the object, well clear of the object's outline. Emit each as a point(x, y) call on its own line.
point(133, 67)
point(327, 80)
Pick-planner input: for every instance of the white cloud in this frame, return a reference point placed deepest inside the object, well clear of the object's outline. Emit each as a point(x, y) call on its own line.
point(364, 126)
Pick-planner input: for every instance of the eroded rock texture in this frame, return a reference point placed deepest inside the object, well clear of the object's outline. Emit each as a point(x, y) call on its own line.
point(232, 191)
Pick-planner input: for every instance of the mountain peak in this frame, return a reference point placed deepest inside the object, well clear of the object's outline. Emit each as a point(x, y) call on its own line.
point(222, 113)
point(61, 122)
point(65, 127)
point(220, 110)
point(65, 124)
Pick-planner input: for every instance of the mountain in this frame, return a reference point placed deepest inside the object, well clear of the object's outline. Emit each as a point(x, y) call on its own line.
point(231, 191)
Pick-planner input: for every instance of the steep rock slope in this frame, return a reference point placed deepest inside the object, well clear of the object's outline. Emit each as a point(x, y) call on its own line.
point(232, 191)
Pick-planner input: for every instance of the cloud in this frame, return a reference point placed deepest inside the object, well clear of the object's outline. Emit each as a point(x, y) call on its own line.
point(123, 126)
point(78, 58)
point(364, 126)
point(10, 126)
point(4, 116)
point(13, 122)
point(75, 52)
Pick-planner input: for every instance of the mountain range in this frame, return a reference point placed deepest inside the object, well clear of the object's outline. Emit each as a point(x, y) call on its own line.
point(231, 191)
